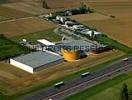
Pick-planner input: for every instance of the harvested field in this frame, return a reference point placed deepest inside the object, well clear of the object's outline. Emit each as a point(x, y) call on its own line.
point(35, 7)
point(24, 26)
point(17, 80)
point(27, 7)
point(118, 28)
point(12, 13)
point(63, 3)
point(106, 0)
point(89, 17)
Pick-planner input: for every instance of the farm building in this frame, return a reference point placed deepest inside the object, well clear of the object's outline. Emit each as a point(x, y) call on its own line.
point(35, 61)
point(85, 47)
point(68, 44)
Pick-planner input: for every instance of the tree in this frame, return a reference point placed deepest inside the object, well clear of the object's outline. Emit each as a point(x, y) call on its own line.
point(44, 4)
point(83, 8)
point(124, 93)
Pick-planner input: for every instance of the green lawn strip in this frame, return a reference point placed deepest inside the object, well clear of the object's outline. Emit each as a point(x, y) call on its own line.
point(33, 37)
point(10, 49)
point(98, 88)
point(67, 78)
point(115, 44)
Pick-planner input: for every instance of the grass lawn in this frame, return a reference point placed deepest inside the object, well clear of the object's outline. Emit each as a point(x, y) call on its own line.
point(10, 49)
point(108, 90)
point(48, 34)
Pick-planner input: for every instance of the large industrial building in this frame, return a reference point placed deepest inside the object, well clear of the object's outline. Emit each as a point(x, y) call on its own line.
point(71, 50)
point(35, 61)
point(49, 53)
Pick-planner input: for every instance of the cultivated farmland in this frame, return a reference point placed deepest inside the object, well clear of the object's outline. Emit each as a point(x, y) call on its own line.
point(117, 27)
point(12, 13)
point(27, 7)
point(24, 26)
point(36, 8)
point(89, 17)
point(63, 3)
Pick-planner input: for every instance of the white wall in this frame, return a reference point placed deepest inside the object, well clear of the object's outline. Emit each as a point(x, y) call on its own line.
point(53, 53)
point(46, 42)
point(21, 66)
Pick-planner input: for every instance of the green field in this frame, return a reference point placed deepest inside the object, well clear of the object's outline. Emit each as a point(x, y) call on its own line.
point(33, 37)
point(9, 48)
point(108, 90)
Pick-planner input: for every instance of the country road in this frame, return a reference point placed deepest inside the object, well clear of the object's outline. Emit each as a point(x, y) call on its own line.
point(80, 84)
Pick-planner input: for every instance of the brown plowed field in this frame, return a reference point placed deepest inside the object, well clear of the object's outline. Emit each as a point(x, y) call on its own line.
point(63, 3)
point(120, 27)
point(24, 26)
point(35, 7)
point(12, 13)
point(89, 17)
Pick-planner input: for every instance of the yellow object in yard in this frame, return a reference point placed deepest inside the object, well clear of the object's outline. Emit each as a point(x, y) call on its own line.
point(71, 55)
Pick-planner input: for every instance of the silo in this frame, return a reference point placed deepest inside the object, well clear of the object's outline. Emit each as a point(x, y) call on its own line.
point(71, 55)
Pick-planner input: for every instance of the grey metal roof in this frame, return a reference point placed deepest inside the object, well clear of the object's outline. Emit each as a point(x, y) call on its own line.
point(77, 43)
point(74, 45)
point(37, 59)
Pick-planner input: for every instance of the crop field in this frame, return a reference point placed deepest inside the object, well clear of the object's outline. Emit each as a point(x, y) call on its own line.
point(27, 7)
point(12, 13)
point(24, 26)
point(89, 17)
point(118, 28)
point(63, 3)
point(33, 37)
point(36, 8)
point(17, 80)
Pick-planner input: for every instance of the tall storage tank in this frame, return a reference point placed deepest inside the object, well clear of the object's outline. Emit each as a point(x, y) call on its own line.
point(71, 55)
